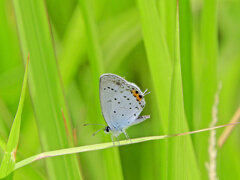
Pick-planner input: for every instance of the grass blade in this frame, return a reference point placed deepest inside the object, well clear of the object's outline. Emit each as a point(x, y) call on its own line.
point(111, 157)
point(2, 143)
point(9, 157)
point(185, 26)
point(181, 153)
point(71, 56)
point(160, 68)
point(167, 13)
point(125, 33)
point(45, 87)
point(207, 80)
point(60, 12)
point(95, 147)
point(158, 56)
point(229, 130)
point(5, 119)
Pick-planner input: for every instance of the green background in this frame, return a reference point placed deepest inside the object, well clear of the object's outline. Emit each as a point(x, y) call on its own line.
point(180, 57)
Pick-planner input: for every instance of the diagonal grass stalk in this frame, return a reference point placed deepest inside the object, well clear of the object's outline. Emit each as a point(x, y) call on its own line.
point(100, 146)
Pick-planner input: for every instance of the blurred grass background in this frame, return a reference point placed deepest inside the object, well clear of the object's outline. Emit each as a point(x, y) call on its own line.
point(71, 43)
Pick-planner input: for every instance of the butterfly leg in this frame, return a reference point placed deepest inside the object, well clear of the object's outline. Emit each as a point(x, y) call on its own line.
point(118, 140)
point(112, 140)
point(125, 133)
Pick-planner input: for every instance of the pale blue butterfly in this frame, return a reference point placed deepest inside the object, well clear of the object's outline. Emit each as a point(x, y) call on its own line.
point(121, 103)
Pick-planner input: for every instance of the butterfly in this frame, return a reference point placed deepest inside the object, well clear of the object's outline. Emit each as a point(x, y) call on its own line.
point(121, 103)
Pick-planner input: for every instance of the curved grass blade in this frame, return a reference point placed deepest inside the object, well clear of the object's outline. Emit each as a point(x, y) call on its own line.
point(95, 147)
point(9, 157)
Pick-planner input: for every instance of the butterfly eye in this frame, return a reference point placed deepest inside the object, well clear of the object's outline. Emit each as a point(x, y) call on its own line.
point(107, 129)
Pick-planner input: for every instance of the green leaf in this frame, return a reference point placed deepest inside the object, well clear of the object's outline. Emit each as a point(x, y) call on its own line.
point(9, 157)
point(181, 153)
point(111, 157)
point(95, 147)
point(2, 143)
point(207, 68)
point(185, 26)
point(167, 14)
point(160, 68)
point(60, 12)
point(5, 119)
point(125, 33)
point(45, 87)
point(87, 148)
point(72, 56)
point(158, 56)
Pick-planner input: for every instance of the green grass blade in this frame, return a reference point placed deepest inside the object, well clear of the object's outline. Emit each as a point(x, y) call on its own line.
point(208, 78)
point(181, 153)
point(185, 26)
point(167, 13)
point(126, 27)
point(111, 157)
point(227, 106)
point(9, 157)
point(71, 56)
point(160, 68)
point(87, 148)
point(5, 119)
point(125, 33)
point(2, 143)
point(95, 147)
point(94, 49)
point(60, 12)
point(45, 87)
point(158, 56)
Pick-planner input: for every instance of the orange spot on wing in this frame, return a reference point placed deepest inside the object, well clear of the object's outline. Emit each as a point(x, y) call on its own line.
point(136, 95)
point(138, 98)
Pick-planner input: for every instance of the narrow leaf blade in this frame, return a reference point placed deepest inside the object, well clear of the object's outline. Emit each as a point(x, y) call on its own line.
point(9, 157)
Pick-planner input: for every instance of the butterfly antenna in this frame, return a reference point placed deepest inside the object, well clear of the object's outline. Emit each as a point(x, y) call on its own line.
point(98, 131)
point(145, 92)
point(93, 124)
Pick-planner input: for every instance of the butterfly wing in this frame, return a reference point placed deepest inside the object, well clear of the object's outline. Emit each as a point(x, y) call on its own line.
point(120, 101)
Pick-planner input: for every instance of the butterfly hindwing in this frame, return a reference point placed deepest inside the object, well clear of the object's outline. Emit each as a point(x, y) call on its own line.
point(120, 101)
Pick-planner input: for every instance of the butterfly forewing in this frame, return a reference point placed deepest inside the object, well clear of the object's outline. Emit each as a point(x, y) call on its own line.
point(119, 105)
